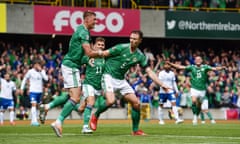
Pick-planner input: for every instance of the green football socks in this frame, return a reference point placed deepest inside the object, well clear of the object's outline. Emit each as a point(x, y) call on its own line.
point(135, 119)
point(194, 109)
point(202, 116)
point(209, 115)
point(67, 109)
point(101, 108)
point(59, 100)
point(87, 114)
point(76, 107)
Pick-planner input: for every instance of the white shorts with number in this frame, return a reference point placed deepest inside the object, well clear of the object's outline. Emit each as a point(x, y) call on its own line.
point(110, 84)
point(89, 90)
point(204, 105)
point(71, 77)
point(197, 93)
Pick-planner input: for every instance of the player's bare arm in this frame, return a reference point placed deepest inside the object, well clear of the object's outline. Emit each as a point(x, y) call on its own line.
point(176, 65)
point(219, 68)
point(94, 53)
point(91, 53)
point(105, 53)
point(154, 77)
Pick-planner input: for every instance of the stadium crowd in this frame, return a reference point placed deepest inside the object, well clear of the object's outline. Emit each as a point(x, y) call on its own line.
point(222, 4)
point(223, 87)
point(192, 3)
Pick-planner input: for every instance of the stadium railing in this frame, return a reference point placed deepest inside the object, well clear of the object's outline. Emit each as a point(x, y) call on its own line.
point(76, 3)
point(175, 8)
point(33, 2)
point(101, 3)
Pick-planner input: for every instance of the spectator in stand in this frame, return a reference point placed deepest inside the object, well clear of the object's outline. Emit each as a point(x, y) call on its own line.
point(226, 97)
point(238, 101)
point(149, 54)
point(234, 99)
point(217, 4)
point(231, 3)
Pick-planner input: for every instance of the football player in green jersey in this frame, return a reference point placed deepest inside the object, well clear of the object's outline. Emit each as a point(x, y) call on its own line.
point(92, 83)
point(119, 59)
point(91, 86)
point(198, 80)
point(80, 44)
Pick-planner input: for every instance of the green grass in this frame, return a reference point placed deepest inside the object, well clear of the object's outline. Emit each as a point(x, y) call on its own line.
point(120, 134)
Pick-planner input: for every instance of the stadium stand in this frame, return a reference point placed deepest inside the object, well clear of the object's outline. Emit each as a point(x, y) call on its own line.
point(189, 5)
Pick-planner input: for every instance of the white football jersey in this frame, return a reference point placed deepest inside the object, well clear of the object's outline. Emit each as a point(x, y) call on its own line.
point(7, 89)
point(35, 80)
point(169, 79)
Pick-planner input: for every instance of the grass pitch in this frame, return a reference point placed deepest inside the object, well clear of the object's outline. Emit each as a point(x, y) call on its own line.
point(111, 132)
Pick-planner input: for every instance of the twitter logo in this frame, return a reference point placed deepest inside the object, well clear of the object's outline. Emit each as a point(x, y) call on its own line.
point(171, 24)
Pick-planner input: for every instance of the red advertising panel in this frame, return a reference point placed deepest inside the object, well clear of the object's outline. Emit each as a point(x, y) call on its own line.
point(64, 20)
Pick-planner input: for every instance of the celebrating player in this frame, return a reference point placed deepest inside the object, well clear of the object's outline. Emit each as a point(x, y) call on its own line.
point(79, 45)
point(91, 87)
point(198, 80)
point(119, 60)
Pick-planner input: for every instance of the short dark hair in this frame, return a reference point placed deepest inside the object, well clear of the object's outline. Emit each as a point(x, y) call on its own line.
point(100, 39)
point(36, 61)
point(139, 32)
point(88, 13)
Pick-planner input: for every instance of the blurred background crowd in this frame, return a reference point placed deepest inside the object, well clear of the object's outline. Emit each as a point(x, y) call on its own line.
point(160, 3)
point(192, 3)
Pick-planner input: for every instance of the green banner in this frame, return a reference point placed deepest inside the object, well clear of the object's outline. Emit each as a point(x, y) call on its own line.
point(215, 25)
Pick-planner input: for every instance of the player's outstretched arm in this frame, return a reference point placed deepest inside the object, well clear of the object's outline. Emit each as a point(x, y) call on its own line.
point(93, 53)
point(219, 68)
point(176, 65)
point(90, 52)
point(154, 77)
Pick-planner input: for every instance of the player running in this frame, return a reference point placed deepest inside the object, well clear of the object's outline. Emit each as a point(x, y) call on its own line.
point(80, 44)
point(91, 88)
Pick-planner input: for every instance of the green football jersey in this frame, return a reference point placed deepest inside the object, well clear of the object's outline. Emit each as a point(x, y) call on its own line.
point(93, 73)
point(75, 52)
point(121, 59)
point(198, 76)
